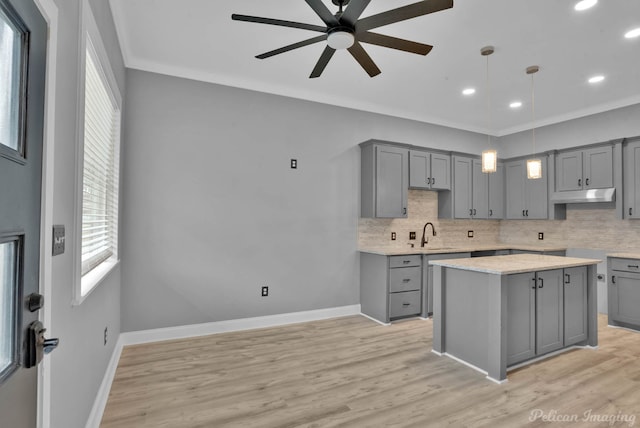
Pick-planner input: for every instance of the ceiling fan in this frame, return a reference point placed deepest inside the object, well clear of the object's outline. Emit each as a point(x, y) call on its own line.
point(345, 30)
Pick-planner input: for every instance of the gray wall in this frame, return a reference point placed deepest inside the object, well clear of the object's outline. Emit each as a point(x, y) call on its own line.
point(78, 365)
point(597, 128)
point(212, 211)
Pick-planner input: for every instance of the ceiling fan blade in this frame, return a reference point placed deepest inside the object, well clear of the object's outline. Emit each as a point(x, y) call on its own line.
point(353, 12)
point(414, 10)
point(394, 43)
point(358, 52)
point(325, 14)
point(292, 47)
point(278, 22)
point(322, 62)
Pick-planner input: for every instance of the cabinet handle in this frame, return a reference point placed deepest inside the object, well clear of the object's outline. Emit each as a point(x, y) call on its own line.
point(474, 211)
point(470, 212)
point(406, 280)
point(633, 266)
point(522, 213)
point(630, 211)
point(579, 182)
point(541, 283)
point(534, 283)
point(527, 211)
point(433, 180)
point(586, 182)
point(404, 211)
point(613, 279)
point(567, 278)
point(428, 180)
point(406, 261)
point(406, 304)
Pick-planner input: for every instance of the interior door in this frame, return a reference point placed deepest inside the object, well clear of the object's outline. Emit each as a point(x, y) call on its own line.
point(23, 38)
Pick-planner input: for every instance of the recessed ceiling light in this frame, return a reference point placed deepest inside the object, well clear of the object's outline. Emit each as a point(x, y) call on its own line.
point(515, 104)
point(468, 91)
point(633, 33)
point(585, 4)
point(596, 79)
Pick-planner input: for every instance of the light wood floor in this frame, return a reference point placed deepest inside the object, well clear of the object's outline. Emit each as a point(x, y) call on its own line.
point(352, 372)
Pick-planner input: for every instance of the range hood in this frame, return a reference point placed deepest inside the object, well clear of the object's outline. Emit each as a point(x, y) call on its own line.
point(584, 196)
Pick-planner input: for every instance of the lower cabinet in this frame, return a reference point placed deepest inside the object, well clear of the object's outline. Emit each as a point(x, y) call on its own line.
point(390, 286)
point(545, 312)
point(624, 292)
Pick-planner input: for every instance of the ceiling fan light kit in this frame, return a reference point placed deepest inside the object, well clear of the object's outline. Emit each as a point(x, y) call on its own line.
point(345, 30)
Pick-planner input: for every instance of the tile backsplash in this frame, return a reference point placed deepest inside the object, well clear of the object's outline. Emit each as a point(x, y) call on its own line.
point(586, 226)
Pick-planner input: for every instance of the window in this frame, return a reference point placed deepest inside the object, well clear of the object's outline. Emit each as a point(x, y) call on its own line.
point(100, 169)
point(9, 290)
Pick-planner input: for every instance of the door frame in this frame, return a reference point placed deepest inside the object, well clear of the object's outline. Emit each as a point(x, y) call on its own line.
point(49, 11)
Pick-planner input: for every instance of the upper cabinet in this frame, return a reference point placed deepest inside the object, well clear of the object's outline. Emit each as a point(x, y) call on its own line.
point(430, 171)
point(631, 179)
point(385, 176)
point(585, 169)
point(477, 194)
point(526, 199)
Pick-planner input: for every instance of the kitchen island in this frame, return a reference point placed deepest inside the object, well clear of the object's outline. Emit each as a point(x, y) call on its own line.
point(493, 313)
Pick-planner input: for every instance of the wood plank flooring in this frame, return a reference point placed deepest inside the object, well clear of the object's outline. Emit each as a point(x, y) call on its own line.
point(353, 372)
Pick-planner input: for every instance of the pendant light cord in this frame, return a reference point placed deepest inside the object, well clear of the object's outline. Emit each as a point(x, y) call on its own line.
point(533, 115)
point(488, 106)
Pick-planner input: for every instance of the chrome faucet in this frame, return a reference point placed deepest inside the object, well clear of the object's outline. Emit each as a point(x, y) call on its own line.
point(424, 230)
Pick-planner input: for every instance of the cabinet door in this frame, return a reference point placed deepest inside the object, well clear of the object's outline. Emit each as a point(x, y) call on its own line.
point(625, 294)
point(632, 180)
point(440, 171)
point(480, 191)
point(575, 305)
point(536, 195)
point(391, 182)
point(496, 193)
point(462, 187)
point(598, 168)
point(549, 311)
point(515, 176)
point(521, 318)
point(569, 171)
point(419, 174)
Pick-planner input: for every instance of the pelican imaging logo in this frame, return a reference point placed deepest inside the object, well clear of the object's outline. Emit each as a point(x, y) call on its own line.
point(588, 416)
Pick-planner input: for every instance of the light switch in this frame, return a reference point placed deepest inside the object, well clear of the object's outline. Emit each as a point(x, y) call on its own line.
point(58, 239)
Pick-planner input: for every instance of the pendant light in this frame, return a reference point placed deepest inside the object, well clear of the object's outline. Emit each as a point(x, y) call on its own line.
point(534, 165)
point(489, 156)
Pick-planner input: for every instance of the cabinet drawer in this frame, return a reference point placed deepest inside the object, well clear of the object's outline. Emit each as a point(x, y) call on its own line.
point(405, 279)
point(404, 261)
point(625, 265)
point(404, 304)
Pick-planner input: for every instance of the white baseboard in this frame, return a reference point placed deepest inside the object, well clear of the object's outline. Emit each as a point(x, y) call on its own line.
point(195, 330)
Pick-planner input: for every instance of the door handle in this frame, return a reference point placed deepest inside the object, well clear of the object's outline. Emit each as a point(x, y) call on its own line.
point(527, 211)
point(428, 180)
point(433, 180)
point(567, 278)
point(630, 211)
point(404, 211)
point(579, 182)
point(490, 213)
point(474, 211)
point(470, 212)
point(534, 283)
point(586, 182)
point(613, 279)
point(541, 283)
point(37, 345)
point(522, 213)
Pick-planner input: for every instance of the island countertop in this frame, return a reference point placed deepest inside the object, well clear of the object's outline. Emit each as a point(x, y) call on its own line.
point(515, 263)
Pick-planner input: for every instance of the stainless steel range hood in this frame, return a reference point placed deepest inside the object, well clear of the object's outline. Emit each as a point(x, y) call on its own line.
point(584, 196)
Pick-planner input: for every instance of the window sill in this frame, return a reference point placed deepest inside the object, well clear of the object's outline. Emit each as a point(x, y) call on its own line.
point(91, 280)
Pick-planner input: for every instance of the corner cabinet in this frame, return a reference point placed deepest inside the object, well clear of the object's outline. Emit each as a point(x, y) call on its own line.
point(384, 181)
point(585, 169)
point(431, 171)
point(526, 199)
point(631, 179)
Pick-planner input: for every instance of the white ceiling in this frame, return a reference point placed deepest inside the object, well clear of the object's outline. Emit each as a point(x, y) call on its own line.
point(197, 39)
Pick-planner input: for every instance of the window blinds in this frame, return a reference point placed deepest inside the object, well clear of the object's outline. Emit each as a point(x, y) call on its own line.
point(101, 168)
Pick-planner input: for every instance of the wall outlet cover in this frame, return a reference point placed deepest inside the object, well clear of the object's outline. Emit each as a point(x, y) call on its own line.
point(470, 234)
point(294, 163)
point(540, 236)
point(265, 291)
point(393, 236)
point(412, 235)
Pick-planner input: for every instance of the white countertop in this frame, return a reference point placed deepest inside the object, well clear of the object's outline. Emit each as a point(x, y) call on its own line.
point(385, 251)
point(625, 255)
point(515, 263)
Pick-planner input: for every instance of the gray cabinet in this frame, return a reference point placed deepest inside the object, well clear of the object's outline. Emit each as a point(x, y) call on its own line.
point(427, 280)
point(624, 292)
point(631, 179)
point(384, 181)
point(526, 199)
point(477, 194)
point(575, 305)
point(430, 171)
point(585, 169)
point(535, 314)
point(390, 286)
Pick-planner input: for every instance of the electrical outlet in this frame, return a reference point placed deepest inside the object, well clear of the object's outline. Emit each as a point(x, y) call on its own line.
point(265, 291)
point(294, 163)
point(470, 234)
point(105, 336)
point(412, 235)
point(393, 236)
point(540, 236)
point(58, 239)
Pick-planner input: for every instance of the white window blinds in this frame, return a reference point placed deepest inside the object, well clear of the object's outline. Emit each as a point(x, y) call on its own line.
point(101, 168)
